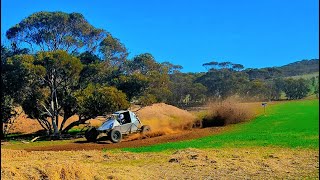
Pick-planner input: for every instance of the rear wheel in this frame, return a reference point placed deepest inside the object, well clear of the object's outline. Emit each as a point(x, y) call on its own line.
point(145, 129)
point(115, 136)
point(91, 134)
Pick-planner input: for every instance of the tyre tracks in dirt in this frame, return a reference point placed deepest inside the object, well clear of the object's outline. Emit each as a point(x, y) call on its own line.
point(82, 144)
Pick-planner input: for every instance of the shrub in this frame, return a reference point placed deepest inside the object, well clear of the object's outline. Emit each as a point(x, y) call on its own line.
point(296, 88)
point(147, 99)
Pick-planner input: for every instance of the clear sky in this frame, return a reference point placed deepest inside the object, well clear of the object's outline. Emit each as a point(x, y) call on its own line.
point(255, 33)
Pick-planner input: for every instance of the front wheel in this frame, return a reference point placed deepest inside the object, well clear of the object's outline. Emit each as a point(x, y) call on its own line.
point(91, 134)
point(115, 136)
point(145, 129)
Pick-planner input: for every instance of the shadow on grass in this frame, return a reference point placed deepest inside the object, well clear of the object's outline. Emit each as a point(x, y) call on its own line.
point(25, 137)
point(43, 136)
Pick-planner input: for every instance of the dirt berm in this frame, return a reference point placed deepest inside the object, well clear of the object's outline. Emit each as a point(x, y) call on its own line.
point(167, 118)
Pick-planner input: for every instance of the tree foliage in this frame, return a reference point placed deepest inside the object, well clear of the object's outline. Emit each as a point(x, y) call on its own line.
point(50, 31)
point(13, 84)
point(114, 52)
point(96, 100)
point(152, 77)
point(296, 88)
point(257, 90)
point(222, 83)
point(185, 90)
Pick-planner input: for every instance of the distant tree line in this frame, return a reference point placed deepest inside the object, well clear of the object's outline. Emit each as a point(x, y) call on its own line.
point(59, 65)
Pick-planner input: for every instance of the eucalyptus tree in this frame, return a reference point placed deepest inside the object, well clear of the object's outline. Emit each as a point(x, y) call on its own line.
point(183, 85)
point(156, 74)
point(54, 71)
point(225, 65)
point(96, 100)
point(210, 65)
point(13, 84)
point(296, 88)
point(258, 90)
point(113, 51)
point(172, 68)
point(50, 31)
point(237, 67)
point(52, 77)
point(223, 79)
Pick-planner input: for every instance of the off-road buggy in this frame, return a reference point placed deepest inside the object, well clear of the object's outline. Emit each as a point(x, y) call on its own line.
point(115, 128)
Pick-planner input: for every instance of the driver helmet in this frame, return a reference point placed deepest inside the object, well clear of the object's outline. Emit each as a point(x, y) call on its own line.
point(121, 116)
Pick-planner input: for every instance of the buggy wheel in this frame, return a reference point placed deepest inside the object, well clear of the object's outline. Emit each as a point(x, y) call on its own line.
point(145, 128)
point(91, 134)
point(115, 136)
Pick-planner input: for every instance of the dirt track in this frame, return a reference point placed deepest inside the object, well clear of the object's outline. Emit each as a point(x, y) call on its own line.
point(82, 144)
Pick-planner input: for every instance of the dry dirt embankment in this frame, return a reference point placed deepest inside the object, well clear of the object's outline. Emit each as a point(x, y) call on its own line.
point(24, 125)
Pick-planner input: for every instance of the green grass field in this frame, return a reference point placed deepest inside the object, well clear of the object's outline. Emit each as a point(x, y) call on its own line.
point(292, 124)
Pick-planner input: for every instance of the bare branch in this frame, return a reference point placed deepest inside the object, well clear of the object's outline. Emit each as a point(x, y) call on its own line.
point(49, 113)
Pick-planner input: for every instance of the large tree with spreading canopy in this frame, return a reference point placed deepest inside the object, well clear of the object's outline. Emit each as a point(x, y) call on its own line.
point(50, 31)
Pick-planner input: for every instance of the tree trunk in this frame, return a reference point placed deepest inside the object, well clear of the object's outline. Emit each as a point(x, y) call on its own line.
point(65, 118)
point(2, 134)
point(45, 125)
point(55, 127)
point(2, 103)
point(54, 104)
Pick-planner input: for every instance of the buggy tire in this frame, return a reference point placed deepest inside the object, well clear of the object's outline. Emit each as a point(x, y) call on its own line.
point(145, 129)
point(91, 134)
point(115, 136)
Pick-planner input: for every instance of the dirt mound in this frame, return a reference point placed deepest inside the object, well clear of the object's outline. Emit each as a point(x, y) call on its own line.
point(24, 125)
point(166, 118)
point(160, 117)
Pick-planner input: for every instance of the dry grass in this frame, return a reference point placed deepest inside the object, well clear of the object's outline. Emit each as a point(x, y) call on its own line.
point(244, 163)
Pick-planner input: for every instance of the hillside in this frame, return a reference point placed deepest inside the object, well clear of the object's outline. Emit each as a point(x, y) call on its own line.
point(293, 69)
point(300, 67)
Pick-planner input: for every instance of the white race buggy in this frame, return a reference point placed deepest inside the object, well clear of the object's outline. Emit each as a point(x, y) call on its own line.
point(119, 123)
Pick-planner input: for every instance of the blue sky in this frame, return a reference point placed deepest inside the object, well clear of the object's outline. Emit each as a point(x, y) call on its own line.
point(255, 33)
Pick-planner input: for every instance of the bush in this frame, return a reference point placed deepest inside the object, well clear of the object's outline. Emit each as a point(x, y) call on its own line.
point(226, 112)
point(98, 100)
point(296, 88)
point(147, 99)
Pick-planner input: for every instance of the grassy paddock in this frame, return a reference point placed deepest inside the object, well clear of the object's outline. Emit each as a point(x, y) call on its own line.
point(293, 124)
